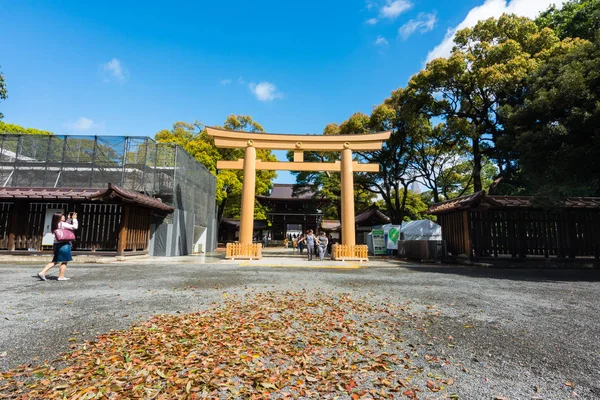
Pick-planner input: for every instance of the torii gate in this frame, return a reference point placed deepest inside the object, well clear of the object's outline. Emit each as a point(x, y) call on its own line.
point(251, 141)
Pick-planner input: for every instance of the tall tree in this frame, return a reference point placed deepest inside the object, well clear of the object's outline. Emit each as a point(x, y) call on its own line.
point(3, 92)
point(194, 139)
point(396, 172)
point(487, 69)
point(439, 159)
point(557, 128)
point(575, 19)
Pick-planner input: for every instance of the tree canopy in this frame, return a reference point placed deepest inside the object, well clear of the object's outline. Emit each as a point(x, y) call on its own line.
point(194, 139)
point(19, 130)
point(513, 110)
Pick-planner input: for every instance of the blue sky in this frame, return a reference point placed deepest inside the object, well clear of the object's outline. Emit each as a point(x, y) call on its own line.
point(133, 68)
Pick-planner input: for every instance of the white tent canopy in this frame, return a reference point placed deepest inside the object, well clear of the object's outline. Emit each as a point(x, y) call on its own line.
point(420, 230)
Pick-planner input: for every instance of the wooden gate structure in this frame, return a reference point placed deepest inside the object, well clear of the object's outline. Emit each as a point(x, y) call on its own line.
point(482, 226)
point(112, 221)
point(251, 141)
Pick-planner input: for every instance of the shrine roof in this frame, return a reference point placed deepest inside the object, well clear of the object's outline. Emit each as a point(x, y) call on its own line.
point(374, 214)
point(284, 191)
point(235, 223)
point(481, 198)
point(112, 192)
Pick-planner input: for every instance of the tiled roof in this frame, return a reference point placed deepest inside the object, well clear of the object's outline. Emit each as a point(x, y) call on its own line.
point(455, 204)
point(115, 192)
point(47, 193)
point(506, 201)
point(235, 223)
point(282, 191)
point(372, 214)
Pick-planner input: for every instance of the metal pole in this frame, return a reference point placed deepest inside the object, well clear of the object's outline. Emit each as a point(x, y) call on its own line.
point(125, 143)
point(91, 181)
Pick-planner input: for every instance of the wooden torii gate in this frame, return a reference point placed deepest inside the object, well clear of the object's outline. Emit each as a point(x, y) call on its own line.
point(251, 141)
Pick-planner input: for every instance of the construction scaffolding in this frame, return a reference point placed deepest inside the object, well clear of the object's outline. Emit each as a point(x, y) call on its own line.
point(161, 170)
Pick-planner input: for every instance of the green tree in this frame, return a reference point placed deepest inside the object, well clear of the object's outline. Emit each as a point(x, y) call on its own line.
point(487, 70)
point(3, 92)
point(575, 19)
point(13, 129)
point(414, 208)
point(396, 158)
point(194, 139)
point(440, 159)
point(326, 185)
point(556, 130)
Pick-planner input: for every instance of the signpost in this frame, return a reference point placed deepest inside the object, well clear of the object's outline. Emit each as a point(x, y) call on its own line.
point(379, 247)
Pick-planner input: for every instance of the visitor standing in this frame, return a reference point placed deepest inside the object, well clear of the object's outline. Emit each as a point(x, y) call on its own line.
point(300, 243)
point(322, 245)
point(311, 240)
point(63, 235)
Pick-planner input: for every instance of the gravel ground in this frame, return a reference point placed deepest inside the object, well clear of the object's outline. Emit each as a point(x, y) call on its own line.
point(515, 334)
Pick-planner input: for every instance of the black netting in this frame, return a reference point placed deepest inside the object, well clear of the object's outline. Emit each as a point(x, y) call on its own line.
point(138, 163)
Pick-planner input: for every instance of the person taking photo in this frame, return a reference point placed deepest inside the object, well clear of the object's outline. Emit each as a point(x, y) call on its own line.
point(63, 235)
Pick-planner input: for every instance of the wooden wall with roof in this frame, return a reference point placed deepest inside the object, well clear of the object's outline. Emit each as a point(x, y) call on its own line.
point(480, 226)
point(111, 220)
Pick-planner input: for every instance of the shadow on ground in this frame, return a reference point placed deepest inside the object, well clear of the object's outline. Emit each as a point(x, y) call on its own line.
point(533, 275)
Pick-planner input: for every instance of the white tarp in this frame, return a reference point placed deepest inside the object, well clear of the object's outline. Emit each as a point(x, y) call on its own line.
point(420, 230)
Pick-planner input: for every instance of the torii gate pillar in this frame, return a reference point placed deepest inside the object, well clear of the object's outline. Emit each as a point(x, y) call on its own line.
point(248, 191)
point(347, 187)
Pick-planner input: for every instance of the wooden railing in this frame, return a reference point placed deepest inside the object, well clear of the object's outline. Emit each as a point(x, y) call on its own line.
point(345, 252)
point(251, 251)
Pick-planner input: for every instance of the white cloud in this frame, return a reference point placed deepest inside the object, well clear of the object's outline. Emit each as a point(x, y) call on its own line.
point(114, 70)
point(395, 8)
point(491, 8)
point(265, 91)
point(225, 82)
point(423, 23)
point(381, 41)
point(371, 21)
point(81, 125)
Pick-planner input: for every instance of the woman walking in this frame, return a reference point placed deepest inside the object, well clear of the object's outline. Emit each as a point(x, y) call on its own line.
point(63, 234)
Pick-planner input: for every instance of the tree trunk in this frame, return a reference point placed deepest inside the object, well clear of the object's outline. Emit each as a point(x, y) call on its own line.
point(477, 186)
point(436, 195)
point(221, 209)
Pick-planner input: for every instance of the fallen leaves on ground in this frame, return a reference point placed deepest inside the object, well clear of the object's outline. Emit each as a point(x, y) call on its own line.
point(293, 344)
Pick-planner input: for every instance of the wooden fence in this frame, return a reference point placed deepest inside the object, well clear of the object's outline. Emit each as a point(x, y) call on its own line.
point(100, 226)
point(519, 233)
point(343, 252)
point(252, 251)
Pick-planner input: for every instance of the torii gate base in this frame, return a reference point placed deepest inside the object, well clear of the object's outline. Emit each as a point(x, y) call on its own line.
point(344, 252)
point(243, 251)
point(250, 141)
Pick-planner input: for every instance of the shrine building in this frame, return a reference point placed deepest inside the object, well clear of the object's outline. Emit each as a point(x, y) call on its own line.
point(292, 213)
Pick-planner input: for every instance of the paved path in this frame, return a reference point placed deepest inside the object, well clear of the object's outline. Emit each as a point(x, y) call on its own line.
point(515, 333)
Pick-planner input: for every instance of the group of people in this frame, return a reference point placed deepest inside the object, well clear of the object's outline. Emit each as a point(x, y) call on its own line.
point(320, 243)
